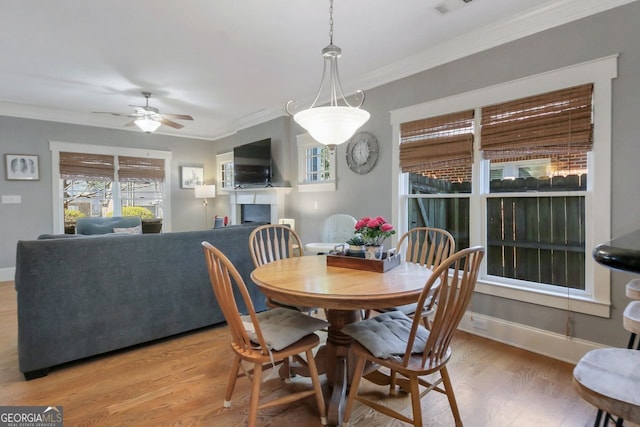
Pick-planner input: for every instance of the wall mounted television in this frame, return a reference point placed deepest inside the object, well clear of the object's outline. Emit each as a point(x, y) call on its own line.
point(252, 164)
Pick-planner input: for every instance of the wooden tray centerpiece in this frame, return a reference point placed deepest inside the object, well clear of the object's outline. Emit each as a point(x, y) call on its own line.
point(389, 260)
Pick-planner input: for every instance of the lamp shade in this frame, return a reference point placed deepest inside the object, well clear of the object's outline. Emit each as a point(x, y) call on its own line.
point(331, 125)
point(148, 125)
point(205, 191)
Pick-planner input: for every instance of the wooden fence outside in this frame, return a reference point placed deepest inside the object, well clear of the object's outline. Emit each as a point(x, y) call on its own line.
point(538, 237)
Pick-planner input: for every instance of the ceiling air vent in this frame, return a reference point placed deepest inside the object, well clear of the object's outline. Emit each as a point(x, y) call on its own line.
point(450, 5)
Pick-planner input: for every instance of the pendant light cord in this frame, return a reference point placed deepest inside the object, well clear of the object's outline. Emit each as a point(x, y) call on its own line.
point(330, 21)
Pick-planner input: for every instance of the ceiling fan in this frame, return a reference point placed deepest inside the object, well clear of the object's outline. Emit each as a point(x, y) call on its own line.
point(149, 118)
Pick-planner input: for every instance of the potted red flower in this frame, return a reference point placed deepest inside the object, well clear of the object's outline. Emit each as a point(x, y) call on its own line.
point(374, 231)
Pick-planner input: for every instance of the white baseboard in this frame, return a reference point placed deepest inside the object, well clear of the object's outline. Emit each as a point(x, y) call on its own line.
point(7, 274)
point(539, 341)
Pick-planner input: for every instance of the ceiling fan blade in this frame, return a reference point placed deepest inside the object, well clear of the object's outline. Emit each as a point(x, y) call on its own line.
point(170, 123)
point(112, 114)
point(178, 116)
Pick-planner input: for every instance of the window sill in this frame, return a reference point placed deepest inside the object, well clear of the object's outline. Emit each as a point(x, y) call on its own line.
point(316, 187)
point(578, 304)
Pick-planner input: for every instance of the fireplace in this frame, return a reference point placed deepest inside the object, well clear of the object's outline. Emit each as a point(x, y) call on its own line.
point(258, 204)
point(255, 213)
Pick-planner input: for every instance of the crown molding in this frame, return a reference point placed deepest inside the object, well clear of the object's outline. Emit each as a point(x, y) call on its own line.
point(551, 14)
point(83, 119)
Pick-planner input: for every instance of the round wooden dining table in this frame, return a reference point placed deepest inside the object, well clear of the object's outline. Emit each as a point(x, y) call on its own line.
point(344, 292)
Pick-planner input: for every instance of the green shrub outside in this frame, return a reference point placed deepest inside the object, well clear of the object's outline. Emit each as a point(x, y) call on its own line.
point(72, 215)
point(143, 213)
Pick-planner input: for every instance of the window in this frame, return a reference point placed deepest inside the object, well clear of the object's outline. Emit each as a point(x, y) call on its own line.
point(437, 153)
point(225, 171)
point(535, 224)
point(527, 201)
point(94, 181)
point(87, 182)
point(316, 165)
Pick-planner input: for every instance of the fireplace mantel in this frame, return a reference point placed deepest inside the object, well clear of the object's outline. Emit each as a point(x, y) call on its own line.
point(273, 196)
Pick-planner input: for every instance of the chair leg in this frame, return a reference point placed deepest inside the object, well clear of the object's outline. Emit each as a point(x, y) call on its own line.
point(255, 395)
point(598, 418)
point(233, 376)
point(285, 370)
point(353, 391)
point(632, 339)
point(315, 380)
point(415, 402)
point(448, 387)
point(392, 382)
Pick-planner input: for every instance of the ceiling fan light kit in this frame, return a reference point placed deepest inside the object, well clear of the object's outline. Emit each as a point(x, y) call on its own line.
point(149, 119)
point(147, 125)
point(335, 123)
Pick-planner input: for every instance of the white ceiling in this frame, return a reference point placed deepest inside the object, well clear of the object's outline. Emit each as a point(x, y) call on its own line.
point(234, 63)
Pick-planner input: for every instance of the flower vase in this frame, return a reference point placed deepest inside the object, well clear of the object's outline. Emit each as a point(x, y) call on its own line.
point(356, 251)
point(373, 251)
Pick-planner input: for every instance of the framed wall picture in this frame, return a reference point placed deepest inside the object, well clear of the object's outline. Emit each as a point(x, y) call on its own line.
point(21, 167)
point(190, 176)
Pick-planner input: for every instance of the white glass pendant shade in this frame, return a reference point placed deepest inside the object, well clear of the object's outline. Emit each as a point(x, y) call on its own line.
point(331, 125)
point(147, 125)
point(339, 120)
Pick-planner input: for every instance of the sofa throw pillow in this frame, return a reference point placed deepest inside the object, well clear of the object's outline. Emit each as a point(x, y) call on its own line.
point(387, 334)
point(282, 327)
point(128, 230)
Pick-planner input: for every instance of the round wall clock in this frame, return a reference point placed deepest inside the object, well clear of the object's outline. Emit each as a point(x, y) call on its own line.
point(362, 152)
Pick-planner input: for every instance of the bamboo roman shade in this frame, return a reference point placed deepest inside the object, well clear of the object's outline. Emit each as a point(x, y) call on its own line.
point(140, 169)
point(550, 123)
point(86, 166)
point(437, 142)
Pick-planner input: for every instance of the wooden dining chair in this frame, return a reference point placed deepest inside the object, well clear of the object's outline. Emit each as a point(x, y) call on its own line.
point(289, 334)
point(273, 242)
point(403, 345)
point(426, 246)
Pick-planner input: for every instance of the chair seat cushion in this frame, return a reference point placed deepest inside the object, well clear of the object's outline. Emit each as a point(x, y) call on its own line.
point(282, 327)
point(387, 334)
point(410, 309)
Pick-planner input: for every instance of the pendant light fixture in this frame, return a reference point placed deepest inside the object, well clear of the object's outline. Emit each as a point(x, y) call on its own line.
point(337, 122)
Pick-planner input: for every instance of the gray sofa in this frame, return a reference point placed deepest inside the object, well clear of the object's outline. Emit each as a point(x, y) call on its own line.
point(80, 296)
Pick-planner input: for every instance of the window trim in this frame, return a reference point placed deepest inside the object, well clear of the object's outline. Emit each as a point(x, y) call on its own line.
point(222, 159)
point(57, 189)
point(305, 141)
point(600, 72)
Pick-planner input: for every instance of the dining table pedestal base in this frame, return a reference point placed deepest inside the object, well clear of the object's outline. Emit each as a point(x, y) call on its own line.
point(340, 366)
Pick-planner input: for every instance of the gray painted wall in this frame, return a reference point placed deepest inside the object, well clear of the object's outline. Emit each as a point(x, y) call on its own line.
point(612, 32)
point(33, 216)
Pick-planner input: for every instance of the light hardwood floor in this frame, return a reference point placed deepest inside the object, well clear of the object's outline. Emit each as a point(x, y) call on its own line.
point(181, 382)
